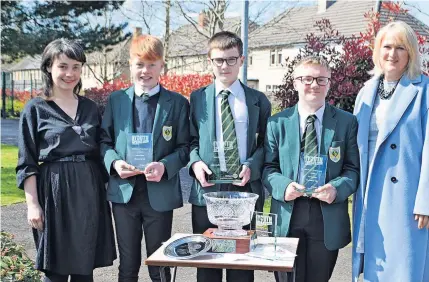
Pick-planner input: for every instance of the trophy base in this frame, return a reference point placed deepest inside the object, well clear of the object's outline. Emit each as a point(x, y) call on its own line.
point(226, 181)
point(231, 243)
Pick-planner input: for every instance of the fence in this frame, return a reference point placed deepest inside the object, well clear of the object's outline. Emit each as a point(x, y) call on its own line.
point(15, 93)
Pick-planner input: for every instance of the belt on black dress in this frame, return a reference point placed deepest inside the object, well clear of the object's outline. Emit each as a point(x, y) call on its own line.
point(73, 158)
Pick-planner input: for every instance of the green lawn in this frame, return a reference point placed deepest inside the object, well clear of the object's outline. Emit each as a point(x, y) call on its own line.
point(10, 194)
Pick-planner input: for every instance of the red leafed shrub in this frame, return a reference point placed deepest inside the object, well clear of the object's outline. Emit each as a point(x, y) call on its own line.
point(350, 59)
point(100, 94)
point(183, 84)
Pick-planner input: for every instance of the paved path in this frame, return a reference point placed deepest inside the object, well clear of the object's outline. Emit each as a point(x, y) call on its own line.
point(13, 219)
point(9, 131)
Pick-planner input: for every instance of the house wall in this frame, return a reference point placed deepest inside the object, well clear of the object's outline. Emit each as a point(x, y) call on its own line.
point(267, 66)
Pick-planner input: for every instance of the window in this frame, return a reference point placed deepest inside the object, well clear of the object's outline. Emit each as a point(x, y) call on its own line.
point(273, 58)
point(276, 57)
point(268, 88)
point(250, 60)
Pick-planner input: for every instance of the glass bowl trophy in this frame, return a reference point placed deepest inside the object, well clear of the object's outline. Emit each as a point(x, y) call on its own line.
point(230, 211)
point(139, 150)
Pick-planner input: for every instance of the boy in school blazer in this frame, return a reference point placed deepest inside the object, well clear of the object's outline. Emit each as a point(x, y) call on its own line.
point(250, 110)
point(320, 221)
point(144, 198)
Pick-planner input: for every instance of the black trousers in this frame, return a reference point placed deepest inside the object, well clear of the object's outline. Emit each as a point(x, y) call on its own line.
point(314, 262)
point(200, 223)
point(131, 220)
point(54, 277)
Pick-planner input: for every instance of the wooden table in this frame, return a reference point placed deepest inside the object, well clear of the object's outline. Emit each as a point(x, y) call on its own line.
point(222, 260)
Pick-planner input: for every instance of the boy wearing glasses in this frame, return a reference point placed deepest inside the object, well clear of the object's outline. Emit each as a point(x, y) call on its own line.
point(307, 138)
point(226, 112)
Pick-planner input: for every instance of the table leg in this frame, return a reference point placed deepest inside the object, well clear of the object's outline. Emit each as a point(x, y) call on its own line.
point(162, 274)
point(173, 275)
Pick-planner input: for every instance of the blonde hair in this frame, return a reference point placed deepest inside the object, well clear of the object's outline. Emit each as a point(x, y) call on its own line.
point(406, 36)
point(313, 60)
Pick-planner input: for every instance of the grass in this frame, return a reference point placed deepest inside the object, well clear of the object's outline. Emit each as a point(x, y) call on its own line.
point(10, 194)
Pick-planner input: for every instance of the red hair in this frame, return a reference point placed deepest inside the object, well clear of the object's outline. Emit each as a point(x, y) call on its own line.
point(146, 47)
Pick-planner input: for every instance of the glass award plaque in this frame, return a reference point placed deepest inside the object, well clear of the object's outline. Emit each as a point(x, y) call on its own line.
point(313, 171)
point(265, 243)
point(139, 149)
point(221, 173)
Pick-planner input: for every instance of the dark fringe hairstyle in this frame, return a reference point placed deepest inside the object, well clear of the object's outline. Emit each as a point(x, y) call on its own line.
point(53, 50)
point(225, 40)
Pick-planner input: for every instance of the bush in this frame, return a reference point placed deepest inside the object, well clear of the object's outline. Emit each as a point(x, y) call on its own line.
point(19, 100)
point(183, 84)
point(15, 264)
point(350, 60)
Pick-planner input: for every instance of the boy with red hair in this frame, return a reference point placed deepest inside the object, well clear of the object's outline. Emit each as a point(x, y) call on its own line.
point(143, 200)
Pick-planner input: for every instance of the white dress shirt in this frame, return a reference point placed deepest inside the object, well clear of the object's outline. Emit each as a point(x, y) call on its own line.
point(303, 115)
point(237, 102)
point(139, 91)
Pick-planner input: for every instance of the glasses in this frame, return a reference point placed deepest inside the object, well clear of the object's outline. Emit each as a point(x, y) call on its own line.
point(308, 80)
point(231, 61)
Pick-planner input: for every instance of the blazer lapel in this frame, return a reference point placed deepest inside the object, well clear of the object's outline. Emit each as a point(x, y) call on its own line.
point(404, 95)
point(211, 117)
point(127, 109)
point(292, 129)
point(253, 114)
point(162, 110)
point(328, 129)
point(328, 132)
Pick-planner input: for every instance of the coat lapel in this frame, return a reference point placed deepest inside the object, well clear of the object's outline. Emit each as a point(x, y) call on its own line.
point(127, 108)
point(328, 129)
point(253, 114)
point(402, 98)
point(363, 114)
point(211, 118)
point(162, 110)
point(293, 138)
point(328, 132)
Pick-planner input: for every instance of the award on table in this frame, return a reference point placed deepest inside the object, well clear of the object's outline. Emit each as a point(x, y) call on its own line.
point(313, 171)
point(139, 149)
point(224, 170)
point(264, 243)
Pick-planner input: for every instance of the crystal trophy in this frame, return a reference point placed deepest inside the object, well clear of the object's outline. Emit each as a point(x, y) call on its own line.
point(221, 173)
point(139, 150)
point(313, 171)
point(264, 243)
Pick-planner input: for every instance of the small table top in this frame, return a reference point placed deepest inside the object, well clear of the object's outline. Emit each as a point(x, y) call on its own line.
point(225, 260)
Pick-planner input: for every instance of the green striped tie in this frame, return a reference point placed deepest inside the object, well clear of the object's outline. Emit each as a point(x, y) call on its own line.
point(310, 137)
point(310, 146)
point(232, 159)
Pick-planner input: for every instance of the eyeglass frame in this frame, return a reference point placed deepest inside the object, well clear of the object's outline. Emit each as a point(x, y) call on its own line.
point(225, 60)
point(312, 79)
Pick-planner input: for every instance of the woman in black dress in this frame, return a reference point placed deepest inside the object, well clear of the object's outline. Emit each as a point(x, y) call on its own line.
point(59, 168)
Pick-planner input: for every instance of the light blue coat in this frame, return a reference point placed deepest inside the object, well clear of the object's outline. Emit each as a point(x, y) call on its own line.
point(397, 186)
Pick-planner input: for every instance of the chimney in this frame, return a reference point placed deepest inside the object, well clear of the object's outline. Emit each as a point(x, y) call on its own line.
point(323, 5)
point(137, 31)
point(202, 19)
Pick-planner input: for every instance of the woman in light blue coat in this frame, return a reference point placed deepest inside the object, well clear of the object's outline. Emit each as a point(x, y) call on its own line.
point(391, 206)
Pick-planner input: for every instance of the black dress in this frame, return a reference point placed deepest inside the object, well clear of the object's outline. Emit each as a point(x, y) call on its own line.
point(78, 234)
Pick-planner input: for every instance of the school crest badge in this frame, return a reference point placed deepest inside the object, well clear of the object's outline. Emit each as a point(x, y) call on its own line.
point(167, 132)
point(335, 154)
